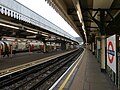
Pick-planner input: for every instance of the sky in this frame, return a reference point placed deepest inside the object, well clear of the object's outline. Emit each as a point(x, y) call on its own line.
point(42, 8)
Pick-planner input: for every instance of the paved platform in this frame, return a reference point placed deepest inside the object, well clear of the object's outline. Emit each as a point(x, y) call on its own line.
point(22, 58)
point(85, 75)
point(89, 76)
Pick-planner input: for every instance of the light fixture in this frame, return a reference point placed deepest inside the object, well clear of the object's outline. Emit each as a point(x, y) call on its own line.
point(44, 34)
point(79, 16)
point(32, 31)
point(5, 25)
point(31, 36)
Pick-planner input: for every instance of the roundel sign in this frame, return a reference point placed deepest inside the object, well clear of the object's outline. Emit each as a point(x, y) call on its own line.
point(111, 52)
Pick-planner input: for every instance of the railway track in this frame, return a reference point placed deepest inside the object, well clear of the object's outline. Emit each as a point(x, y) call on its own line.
point(39, 77)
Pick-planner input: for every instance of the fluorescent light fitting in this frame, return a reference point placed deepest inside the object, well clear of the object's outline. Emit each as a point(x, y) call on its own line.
point(79, 16)
point(31, 36)
point(5, 25)
point(44, 34)
point(32, 31)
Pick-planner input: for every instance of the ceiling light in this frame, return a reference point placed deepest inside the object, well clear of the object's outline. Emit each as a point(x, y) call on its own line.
point(44, 34)
point(5, 25)
point(31, 36)
point(79, 16)
point(32, 31)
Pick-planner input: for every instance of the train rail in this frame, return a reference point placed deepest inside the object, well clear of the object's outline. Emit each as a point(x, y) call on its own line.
point(39, 77)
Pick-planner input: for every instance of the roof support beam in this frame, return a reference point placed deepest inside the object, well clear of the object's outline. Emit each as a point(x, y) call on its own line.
point(86, 9)
point(90, 27)
point(71, 11)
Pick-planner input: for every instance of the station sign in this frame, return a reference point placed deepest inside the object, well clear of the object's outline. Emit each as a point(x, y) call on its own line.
point(111, 52)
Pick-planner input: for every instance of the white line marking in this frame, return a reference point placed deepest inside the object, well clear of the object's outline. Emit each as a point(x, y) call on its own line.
point(79, 58)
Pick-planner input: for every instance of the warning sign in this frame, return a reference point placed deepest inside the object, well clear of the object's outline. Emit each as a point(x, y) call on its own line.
point(111, 52)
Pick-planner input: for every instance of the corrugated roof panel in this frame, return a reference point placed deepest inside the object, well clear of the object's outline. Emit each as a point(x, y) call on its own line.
point(102, 4)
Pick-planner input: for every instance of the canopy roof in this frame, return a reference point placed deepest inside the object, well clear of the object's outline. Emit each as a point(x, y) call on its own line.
point(87, 17)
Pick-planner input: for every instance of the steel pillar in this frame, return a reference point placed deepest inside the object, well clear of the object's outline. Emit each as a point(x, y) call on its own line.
point(63, 45)
point(103, 54)
point(102, 22)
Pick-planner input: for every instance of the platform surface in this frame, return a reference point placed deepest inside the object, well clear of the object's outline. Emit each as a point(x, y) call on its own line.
point(22, 58)
point(89, 75)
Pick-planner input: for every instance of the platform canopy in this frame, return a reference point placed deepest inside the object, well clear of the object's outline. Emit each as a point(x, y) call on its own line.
point(17, 20)
point(90, 18)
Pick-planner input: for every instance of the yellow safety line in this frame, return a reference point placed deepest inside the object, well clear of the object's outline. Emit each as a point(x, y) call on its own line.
point(66, 80)
point(13, 69)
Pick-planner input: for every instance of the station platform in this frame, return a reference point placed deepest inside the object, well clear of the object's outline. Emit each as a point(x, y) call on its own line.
point(21, 61)
point(23, 58)
point(85, 74)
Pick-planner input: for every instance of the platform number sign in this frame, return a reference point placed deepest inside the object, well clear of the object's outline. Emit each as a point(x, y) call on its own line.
point(111, 52)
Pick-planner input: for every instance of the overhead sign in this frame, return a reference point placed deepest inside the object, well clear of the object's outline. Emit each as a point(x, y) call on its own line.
point(111, 52)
